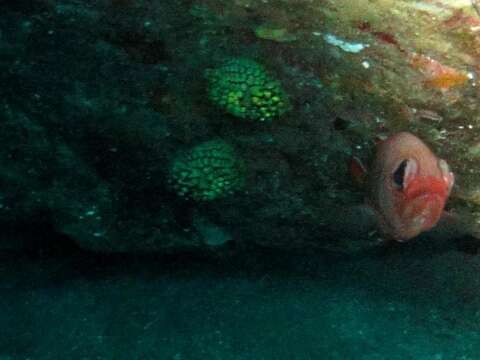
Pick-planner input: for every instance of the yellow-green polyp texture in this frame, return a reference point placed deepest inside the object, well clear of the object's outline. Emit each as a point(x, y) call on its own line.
point(209, 171)
point(244, 89)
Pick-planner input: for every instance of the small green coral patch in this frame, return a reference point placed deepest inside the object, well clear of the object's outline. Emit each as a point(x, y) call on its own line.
point(244, 89)
point(209, 171)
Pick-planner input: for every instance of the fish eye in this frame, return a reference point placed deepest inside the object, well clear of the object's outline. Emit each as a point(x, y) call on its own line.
point(399, 174)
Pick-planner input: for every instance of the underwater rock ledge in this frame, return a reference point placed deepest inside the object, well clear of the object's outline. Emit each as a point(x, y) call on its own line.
point(99, 100)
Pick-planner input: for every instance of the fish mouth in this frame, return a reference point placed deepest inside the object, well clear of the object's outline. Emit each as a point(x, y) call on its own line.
point(425, 186)
point(422, 213)
point(421, 207)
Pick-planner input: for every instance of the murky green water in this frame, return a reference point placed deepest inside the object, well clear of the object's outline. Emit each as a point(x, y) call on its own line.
point(273, 306)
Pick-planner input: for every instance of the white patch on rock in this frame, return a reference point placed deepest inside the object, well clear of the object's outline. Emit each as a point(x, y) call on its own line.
point(351, 47)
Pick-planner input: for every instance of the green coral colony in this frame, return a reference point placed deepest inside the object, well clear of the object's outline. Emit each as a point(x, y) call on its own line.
point(212, 170)
point(243, 88)
point(207, 172)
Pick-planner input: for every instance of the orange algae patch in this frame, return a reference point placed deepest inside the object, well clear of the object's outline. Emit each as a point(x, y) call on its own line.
point(436, 74)
point(460, 19)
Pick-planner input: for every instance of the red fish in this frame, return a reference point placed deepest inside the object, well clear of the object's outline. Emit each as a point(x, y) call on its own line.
point(407, 186)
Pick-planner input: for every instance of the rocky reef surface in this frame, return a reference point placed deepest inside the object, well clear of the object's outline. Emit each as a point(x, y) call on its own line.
point(99, 101)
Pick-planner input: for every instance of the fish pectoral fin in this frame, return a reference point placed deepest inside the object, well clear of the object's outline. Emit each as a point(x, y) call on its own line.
point(358, 171)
